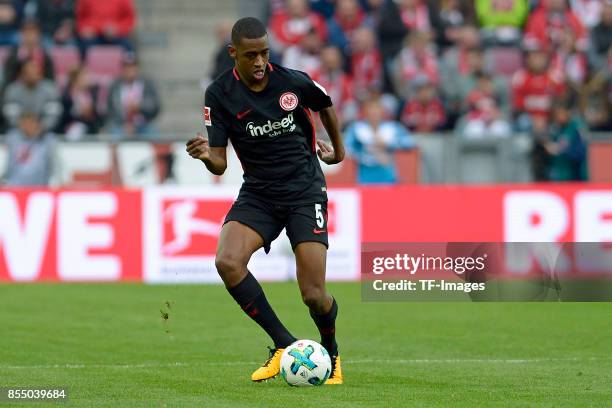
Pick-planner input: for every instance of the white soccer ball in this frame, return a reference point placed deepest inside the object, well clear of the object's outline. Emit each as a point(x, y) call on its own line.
point(305, 363)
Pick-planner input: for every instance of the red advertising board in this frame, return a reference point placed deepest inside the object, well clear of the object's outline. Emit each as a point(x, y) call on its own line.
point(70, 235)
point(65, 235)
point(515, 213)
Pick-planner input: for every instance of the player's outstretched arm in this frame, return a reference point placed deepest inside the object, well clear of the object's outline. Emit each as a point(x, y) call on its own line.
point(213, 157)
point(335, 153)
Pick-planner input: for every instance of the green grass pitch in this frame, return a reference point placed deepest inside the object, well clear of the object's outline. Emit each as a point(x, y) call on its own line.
point(130, 345)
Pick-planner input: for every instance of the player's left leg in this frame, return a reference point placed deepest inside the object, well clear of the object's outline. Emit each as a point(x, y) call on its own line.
point(310, 261)
point(307, 231)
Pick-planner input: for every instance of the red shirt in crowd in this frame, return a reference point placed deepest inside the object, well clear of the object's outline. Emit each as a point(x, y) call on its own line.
point(366, 69)
point(423, 117)
point(97, 15)
point(418, 64)
point(290, 31)
point(572, 67)
point(534, 93)
point(416, 19)
point(548, 27)
point(339, 86)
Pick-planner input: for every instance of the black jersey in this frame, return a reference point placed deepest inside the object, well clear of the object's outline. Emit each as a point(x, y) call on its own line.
point(272, 132)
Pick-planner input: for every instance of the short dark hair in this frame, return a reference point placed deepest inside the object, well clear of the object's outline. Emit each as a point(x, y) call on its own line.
point(247, 27)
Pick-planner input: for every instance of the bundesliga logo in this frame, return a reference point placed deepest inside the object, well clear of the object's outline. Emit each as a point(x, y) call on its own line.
point(272, 129)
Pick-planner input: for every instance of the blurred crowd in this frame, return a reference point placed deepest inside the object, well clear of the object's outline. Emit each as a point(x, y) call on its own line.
point(69, 71)
point(475, 69)
point(478, 69)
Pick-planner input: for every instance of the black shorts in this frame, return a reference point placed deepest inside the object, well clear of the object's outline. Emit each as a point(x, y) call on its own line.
point(304, 222)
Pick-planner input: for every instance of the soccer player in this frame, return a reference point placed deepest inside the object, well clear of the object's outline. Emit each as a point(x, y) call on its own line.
point(265, 110)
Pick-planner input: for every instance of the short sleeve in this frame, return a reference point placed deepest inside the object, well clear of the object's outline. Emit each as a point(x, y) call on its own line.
point(214, 120)
point(315, 97)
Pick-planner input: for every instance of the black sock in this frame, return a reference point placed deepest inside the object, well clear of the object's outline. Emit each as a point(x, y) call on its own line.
point(251, 298)
point(326, 324)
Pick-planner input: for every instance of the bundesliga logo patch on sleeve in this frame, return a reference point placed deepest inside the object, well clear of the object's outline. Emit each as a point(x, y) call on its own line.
point(207, 119)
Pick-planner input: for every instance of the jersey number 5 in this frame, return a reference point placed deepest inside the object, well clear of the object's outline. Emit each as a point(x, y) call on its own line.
point(319, 216)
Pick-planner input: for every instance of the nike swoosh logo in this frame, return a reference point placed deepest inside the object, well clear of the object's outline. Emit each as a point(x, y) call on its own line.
point(242, 114)
point(318, 231)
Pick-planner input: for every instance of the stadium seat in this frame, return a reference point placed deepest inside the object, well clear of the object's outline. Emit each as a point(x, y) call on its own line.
point(504, 60)
point(104, 63)
point(408, 164)
point(65, 59)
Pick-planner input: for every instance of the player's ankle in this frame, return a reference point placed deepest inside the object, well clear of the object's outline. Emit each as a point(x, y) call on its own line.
point(332, 348)
point(284, 343)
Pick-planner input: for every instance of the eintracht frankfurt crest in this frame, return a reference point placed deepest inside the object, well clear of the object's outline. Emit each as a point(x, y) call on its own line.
point(288, 101)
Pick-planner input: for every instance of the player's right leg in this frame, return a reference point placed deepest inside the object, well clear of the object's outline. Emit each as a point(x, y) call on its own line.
point(237, 243)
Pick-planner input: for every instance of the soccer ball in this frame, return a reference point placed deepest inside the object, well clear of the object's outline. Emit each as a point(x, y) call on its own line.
point(305, 363)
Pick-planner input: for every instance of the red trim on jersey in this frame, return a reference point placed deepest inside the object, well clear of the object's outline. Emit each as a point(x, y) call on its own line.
point(312, 125)
point(270, 67)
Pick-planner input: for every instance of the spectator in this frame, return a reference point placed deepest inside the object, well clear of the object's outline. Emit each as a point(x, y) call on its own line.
point(596, 101)
point(417, 59)
point(459, 85)
point(366, 63)
point(373, 141)
point(30, 153)
point(32, 93)
point(548, 23)
point(108, 22)
point(570, 62)
point(289, 26)
point(80, 114)
point(372, 7)
point(30, 48)
point(455, 62)
point(448, 17)
point(566, 147)
point(11, 14)
point(338, 84)
point(305, 56)
point(390, 30)
point(485, 117)
point(414, 15)
point(222, 60)
point(325, 8)
point(535, 87)
point(502, 21)
point(133, 103)
point(56, 20)
point(601, 37)
point(424, 113)
point(540, 158)
point(348, 17)
point(588, 11)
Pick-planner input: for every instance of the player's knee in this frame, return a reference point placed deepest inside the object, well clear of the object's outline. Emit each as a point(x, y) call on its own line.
point(313, 296)
point(228, 264)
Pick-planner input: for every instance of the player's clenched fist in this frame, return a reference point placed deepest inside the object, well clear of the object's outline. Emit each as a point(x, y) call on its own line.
point(327, 153)
point(198, 147)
